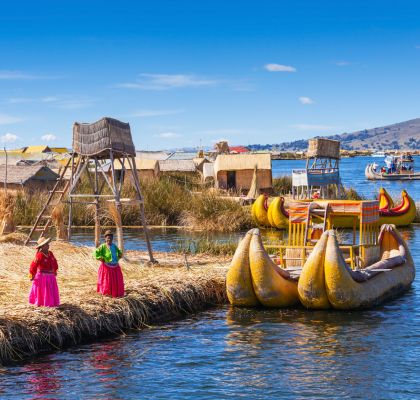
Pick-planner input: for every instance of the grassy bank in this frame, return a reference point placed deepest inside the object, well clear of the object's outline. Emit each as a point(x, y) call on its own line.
point(168, 201)
point(153, 294)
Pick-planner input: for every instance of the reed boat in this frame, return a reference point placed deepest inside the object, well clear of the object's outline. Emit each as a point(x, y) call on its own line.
point(357, 271)
point(277, 216)
point(327, 281)
point(396, 168)
point(373, 175)
point(259, 211)
point(402, 214)
point(253, 278)
point(239, 287)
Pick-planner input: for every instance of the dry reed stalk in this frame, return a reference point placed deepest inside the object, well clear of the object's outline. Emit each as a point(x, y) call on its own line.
point(57, 216)
point(7, 206)
point(153, 294)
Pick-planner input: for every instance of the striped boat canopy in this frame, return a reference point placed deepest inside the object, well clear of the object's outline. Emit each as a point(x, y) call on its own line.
point(298, 212)
point(369, 211)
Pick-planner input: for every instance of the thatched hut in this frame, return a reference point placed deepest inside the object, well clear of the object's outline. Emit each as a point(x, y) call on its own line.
point(235, 171)
point(182, 167)
point(98, 138)
point(147, 169)
point(30, 177)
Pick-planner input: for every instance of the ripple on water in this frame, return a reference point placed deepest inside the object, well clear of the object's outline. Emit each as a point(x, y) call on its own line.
point(249, 353)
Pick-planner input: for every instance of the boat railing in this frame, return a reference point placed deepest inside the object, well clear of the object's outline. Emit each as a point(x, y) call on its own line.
point(353, 254)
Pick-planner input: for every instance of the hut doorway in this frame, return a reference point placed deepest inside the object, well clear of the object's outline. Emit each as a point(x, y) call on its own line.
point(231, 179)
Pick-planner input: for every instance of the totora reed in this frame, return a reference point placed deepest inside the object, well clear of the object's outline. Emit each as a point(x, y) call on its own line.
point(153, 294)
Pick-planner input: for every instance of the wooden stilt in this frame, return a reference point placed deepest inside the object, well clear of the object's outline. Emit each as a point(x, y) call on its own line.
point(141, 203)
point(97, 220)
point(118, 222)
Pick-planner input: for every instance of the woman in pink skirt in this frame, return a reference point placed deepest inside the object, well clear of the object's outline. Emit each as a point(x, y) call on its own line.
point(110, 278)
point(42, 273)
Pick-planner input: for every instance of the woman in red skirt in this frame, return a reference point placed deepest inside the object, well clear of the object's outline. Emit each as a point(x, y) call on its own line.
point(42, 273)
point(110, 278)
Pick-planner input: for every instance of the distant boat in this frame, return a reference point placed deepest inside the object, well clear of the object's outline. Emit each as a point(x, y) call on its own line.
point(397, 168)
point(379, 154)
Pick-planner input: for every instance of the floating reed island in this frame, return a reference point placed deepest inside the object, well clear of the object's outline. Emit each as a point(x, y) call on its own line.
point(154, 294)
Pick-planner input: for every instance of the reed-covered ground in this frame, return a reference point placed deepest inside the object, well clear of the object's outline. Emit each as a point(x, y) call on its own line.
point(153, 294)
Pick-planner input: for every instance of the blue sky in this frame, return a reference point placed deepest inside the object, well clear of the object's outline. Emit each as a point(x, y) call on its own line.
point(188, 73)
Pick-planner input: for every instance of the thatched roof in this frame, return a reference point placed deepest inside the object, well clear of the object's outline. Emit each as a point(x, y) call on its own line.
point(36, 149)
point(141, 164)
point(153, 155)
point(98, 138)
point(21, 174)
point(177, 166)
point(238, 162)
point(321, 147)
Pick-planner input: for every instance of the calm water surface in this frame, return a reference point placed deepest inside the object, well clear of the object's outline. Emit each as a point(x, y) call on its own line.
point(248, 353)
point(245, 353)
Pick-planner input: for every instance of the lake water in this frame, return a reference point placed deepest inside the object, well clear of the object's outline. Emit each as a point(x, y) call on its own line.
point(228, 353)
point(245, 353)
point(352, 175)
point(352, 171)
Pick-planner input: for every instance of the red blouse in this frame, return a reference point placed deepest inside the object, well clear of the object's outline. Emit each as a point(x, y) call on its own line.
point(43, 263)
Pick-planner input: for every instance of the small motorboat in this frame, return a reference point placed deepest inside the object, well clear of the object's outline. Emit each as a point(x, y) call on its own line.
point(396, 168)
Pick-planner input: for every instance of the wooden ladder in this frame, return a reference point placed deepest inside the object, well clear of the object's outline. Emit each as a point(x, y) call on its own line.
point(44, 218)
point(311, 226)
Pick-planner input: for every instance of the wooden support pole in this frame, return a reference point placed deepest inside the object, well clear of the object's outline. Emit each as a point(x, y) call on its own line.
point(118, 207)
point(142, 216)
point(70, 219)
point(97, 220)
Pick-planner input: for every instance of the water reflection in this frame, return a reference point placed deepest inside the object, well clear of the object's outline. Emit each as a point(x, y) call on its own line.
point(42, 379)
point(251, 353)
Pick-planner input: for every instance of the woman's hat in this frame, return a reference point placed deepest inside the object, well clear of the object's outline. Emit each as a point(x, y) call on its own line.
point(42, 241)
point(108, 233)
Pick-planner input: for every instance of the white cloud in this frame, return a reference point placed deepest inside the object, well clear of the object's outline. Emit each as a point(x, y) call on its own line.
point(314, 127)
point(279, 68)
point(168, 135)
point(306, 100)
point(8, 138)
point(342, 63)
point(167, 81)
point(155, 113)
point(8, 119)
point(48, 137)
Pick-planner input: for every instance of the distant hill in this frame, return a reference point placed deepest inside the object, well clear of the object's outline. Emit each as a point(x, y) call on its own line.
point(400, 136)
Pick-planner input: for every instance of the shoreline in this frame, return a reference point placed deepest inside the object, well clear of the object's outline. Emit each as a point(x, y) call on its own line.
point(154, 294)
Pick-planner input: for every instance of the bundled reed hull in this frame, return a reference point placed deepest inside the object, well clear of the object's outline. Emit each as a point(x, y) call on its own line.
point(259, 211)
point(272, 285)
point(401, 215)
point(311, 285)
point(373, 175)
point(239, 287)
point(385, 200)
point(345, 293)
point(276, 214)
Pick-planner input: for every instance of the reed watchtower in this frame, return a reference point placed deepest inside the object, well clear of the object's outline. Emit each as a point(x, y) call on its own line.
point(322, 172)
point(97, 147)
